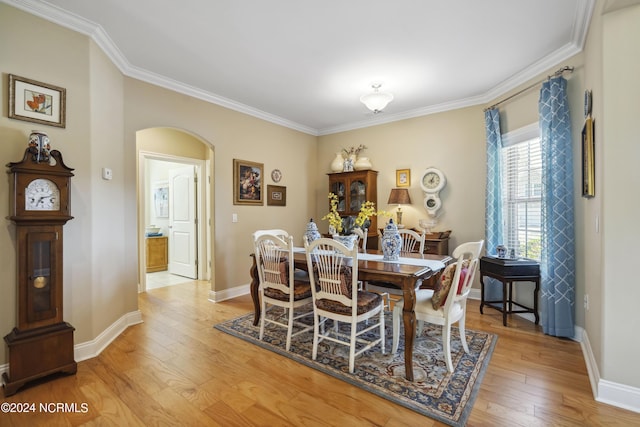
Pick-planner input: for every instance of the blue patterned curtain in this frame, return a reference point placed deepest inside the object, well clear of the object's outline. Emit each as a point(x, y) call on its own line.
point(558, 242)
point(493, 202)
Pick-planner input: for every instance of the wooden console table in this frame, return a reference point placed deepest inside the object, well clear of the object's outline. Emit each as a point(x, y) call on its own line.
point(508, 271)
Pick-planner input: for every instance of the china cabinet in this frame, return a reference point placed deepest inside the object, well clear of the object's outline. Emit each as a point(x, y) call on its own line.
point(353, 189)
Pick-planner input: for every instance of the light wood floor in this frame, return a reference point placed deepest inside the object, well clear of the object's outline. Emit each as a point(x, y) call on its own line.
point(176, 369)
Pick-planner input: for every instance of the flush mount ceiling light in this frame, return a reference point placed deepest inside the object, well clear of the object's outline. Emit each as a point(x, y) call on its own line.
point(377, 100)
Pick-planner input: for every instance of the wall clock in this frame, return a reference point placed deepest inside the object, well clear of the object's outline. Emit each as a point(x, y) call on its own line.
point(432, 182)
point(42, 342)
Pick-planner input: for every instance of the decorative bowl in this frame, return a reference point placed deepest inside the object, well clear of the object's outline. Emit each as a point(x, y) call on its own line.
point(152, 229)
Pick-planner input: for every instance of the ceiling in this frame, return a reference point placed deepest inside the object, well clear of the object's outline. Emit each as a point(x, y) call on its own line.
point(305, 64)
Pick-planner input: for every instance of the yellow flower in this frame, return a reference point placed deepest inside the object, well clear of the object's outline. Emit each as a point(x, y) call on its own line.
point(334, 218)
point(340, 224)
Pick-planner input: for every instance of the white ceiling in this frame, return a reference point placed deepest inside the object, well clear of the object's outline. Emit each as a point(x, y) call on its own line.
point(305, 64)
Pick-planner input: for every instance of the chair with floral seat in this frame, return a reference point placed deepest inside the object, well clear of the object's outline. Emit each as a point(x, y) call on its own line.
point(278, 284)
point(334, 286)
point(447, 304)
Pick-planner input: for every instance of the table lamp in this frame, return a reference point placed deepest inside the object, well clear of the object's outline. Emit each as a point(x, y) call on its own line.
point(399, 196)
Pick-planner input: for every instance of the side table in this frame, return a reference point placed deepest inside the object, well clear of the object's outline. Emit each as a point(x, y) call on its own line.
point(509, 271)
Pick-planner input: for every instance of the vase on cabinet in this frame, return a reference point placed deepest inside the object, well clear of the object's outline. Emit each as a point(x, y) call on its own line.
point(338, 163)
point(362, 164)
point(348, 163)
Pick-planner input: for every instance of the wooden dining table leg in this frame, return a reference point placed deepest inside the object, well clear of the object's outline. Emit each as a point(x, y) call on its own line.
point(255, 282)
point(409, 320)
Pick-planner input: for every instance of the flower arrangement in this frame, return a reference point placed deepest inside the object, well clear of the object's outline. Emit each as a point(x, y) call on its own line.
point(347, 224)
point(353, 150)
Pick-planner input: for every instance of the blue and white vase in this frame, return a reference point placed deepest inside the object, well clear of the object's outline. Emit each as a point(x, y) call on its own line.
point(391, 242)
point(349, 240)
point(312, 232)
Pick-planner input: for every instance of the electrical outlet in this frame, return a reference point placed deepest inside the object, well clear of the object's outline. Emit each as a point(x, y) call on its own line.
point(586, 302)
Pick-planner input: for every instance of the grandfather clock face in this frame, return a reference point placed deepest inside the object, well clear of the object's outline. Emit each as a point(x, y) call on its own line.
point(42, 195)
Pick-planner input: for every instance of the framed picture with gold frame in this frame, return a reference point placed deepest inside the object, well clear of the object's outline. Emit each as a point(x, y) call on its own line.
point(276, 195)
point(403, 178)
point(588, 159)
point(247, 182)
point(36, 102)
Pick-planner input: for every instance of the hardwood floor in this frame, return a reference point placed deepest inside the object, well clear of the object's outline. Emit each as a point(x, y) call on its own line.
point(176, 369)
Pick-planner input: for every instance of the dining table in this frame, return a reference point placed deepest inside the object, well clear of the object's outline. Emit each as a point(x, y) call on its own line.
point(407, 273)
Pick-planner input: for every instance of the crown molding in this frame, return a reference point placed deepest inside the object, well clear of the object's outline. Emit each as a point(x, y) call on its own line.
point(74, 22)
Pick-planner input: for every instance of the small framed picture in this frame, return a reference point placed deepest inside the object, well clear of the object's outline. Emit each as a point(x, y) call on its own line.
point(161, 199)
point(276, 195)
point(36, 102)
point(403, 178)
point(247, 183)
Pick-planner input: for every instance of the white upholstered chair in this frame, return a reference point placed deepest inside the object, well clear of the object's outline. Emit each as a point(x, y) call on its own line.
point(445, 305)
point(278, 285)
point(334, 286)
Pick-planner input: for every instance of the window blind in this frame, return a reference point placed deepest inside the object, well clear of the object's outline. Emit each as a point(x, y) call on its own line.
point(522, 197)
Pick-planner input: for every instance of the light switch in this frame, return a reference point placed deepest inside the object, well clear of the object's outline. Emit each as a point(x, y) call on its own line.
point(234, 217)
point(107, 174)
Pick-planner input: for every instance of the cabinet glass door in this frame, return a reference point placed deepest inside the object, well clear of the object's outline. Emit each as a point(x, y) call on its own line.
point(357, 195)
point(338, 188)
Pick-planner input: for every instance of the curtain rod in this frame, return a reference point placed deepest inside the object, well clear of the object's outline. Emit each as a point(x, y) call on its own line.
point(556, 74)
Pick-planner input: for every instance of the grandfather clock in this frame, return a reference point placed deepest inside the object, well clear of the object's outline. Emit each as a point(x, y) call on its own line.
point(42, 343)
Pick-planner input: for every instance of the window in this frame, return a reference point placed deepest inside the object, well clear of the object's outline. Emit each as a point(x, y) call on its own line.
point(522, 191)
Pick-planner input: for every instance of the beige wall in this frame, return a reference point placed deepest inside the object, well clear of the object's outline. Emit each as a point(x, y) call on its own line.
point(38, 55)
point(231, 135)
point(453, 141)
point(620, 293)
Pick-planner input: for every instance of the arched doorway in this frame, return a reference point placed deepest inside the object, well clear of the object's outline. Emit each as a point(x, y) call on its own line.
point(165, 149)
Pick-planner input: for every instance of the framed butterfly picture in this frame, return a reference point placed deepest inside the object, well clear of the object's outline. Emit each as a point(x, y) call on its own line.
point(36, 102)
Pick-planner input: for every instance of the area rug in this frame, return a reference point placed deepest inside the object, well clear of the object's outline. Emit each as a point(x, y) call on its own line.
point(434, 393)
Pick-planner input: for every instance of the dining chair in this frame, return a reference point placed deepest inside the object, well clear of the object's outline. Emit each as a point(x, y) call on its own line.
point(412, 242)
point(300, 275)
point(447, 304)
point(278, 284)
point(334, 286)
point(362, 238)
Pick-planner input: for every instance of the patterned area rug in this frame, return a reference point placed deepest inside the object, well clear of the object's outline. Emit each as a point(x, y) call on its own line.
point(435, 392)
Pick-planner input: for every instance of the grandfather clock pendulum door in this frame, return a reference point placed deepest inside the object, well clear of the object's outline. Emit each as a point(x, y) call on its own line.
point(42, 342)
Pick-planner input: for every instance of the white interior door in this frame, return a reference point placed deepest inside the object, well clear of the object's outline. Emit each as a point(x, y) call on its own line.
point(182, 222)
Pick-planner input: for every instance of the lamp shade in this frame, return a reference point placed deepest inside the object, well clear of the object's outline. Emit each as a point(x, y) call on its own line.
point(376, 101)
point(399, 196)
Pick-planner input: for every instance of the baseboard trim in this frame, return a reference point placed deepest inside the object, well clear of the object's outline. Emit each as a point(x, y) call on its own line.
point(615, 394)
point(620, 395)
point(218, 296)
point(90, 349)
